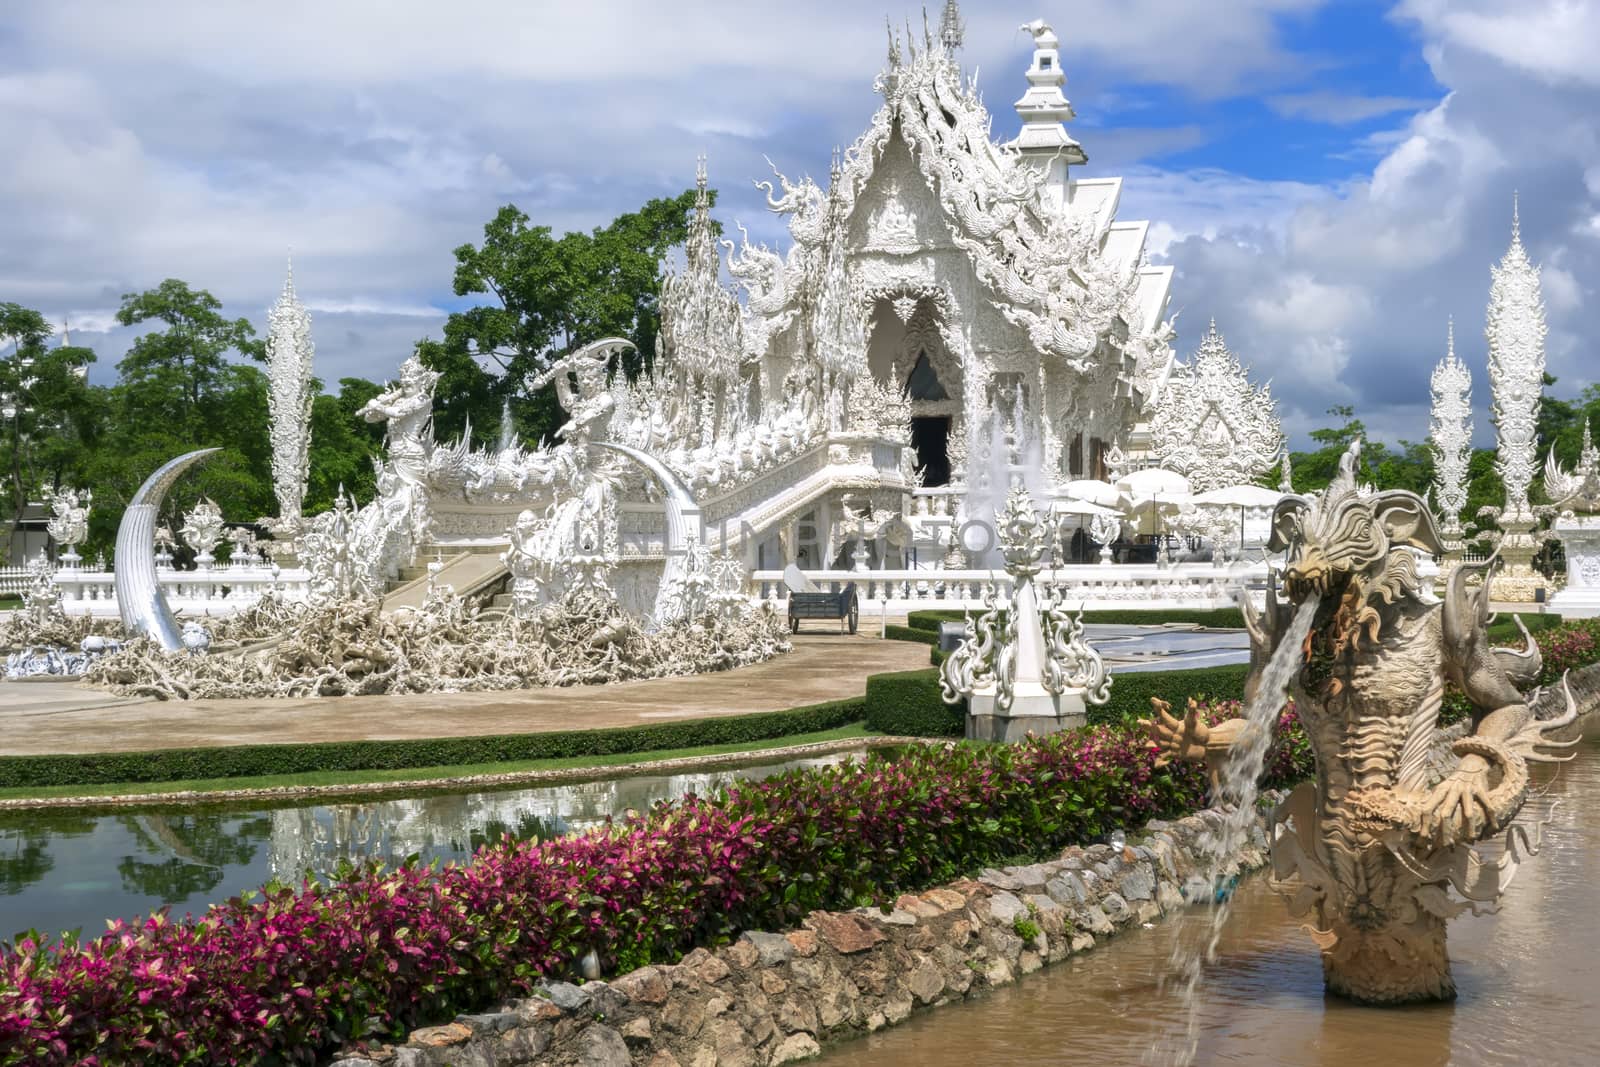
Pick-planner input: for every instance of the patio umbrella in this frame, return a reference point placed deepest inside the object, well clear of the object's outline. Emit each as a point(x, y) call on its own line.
point(1241, 497)
point(1154, 481)
point(1095, 492)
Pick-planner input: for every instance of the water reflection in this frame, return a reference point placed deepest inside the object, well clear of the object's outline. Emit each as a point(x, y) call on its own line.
point(60, 871)
point(1528, 981)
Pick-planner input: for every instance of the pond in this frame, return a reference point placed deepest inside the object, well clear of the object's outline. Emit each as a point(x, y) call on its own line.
point(1528, 978)
point(62, 870)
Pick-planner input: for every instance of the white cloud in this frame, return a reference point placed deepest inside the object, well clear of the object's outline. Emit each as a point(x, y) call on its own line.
point(1551, 39)
point(1340, 108)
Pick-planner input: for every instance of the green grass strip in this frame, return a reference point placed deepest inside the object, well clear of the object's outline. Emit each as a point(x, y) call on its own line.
point(314, 779)
point(32, 773)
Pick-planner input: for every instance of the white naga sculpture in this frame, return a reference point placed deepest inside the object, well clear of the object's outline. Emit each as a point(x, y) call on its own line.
point(68, 524)
point(1211, 425)
point(289, 397)
point(203, 530)
point(1450, 438)
point(1516, 331)
point(1023, 666)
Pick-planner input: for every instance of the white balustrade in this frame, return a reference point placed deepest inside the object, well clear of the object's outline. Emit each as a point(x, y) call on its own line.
point(222, 589)
point(1181, 586)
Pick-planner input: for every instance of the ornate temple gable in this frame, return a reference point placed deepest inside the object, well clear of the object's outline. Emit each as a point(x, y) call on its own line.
point(1211, 425)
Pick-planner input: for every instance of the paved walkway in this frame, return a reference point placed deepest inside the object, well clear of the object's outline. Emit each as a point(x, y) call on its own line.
point(45, 717)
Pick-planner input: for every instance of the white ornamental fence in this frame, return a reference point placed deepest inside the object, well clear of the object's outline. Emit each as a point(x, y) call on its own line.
point(222, 589)
point(1096, 588)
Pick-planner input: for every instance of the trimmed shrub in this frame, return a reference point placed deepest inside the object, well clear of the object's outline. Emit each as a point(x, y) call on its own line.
point(908, 703)
point(104, 768)
point(908, 633)
point(1131, 690)
point(289, 975)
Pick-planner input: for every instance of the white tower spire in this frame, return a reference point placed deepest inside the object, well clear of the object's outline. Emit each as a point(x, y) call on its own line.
point(1450, 437)
point(289, 352)
point(1044, 107)
point(1515, 330)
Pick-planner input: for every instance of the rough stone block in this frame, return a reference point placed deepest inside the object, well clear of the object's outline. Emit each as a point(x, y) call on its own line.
point(998, 972)
point(601, 1046)
point(945, 899)
point(771, 949)
point(742, 954)
point(773, 984)
point(441, 1036)
point(798, 1013)
point(1116, 909)
point(804, 942)
point(845, 934)
point(1137, 884)
point(926, 981)
point(897, 1009)
point(1005, 908)
point(1091, 918)
point(999, 879)
point(490, 1023)
point(1029, 962)
point(647, 985)
point(638, 1031)
point(564, 995)
point(795, 1047)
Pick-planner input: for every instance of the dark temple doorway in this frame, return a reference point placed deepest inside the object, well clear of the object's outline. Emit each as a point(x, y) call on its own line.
point(930, 436)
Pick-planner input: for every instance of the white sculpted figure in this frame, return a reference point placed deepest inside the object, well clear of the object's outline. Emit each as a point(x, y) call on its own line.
point(203, 530)
point(68, 525)
point(407, 409)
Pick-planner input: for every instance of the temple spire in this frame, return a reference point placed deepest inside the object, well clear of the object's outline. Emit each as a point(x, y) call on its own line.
point(952, 30)
point(1044, 108)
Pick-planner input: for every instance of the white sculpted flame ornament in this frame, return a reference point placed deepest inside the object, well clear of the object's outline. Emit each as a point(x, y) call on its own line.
point(1211, 425)
point(1023, 654)
point(1451, 439)
point(1516, 330)
point(1372, 849)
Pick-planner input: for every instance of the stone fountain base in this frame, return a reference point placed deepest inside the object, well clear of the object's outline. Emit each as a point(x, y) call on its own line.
point(1034, 710)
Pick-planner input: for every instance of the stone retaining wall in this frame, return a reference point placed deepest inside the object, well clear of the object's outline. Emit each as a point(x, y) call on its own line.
point(776, 998)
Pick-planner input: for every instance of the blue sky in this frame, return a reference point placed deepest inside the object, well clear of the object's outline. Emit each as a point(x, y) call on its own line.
point(1331, 179)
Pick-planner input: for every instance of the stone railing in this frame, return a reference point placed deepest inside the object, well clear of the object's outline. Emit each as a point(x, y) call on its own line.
point(218, 590)
point(14, 581)
point(1198, 586)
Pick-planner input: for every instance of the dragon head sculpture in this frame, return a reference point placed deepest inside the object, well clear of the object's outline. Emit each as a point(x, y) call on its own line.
point(1352, 547)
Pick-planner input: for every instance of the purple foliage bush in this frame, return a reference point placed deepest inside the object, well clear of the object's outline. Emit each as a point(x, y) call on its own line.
point(289, 974)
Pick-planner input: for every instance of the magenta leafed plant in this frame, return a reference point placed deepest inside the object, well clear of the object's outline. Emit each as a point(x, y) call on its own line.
point(290, 974)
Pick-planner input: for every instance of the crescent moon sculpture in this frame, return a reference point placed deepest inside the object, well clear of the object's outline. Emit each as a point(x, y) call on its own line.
point(683, 519)
point(140, 599)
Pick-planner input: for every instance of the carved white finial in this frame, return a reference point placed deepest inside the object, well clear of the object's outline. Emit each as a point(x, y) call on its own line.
point(289, 397)
point(1450, 436)
point(952, 31)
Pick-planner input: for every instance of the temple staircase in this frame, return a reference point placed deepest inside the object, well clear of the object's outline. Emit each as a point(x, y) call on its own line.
point(471, 572)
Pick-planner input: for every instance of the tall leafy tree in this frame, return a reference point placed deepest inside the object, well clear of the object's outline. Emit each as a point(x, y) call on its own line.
point(175, 372)
point(49, 416)
point(548, 296)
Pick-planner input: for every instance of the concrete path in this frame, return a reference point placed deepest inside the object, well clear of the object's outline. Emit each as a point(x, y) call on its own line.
point(47, 717)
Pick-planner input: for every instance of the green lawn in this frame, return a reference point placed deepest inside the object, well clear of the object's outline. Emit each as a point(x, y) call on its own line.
point(409, 774)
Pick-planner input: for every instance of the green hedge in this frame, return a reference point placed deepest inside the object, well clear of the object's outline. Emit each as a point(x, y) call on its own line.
point(1131, 690)
point(1218, 618)
point(908, 633)
point(97, 768)
point(908, 703)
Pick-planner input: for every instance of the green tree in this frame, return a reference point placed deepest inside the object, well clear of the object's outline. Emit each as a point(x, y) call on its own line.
point(49, 416)
point(549, 296)
point(175, 373)
point(343, 445)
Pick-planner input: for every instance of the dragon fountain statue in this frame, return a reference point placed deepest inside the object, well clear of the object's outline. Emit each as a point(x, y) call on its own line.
point(1373, 847)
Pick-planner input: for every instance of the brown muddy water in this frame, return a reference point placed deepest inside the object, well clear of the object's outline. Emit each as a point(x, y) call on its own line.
point(1528, 978)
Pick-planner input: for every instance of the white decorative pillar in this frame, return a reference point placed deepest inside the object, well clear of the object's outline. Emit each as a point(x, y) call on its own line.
point(1450, 438)
point(1516, 330)
point(289, 352)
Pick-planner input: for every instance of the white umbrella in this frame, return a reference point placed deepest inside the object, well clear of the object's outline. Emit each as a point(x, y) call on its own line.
point(1154, 481)
point(1239, 496)
point(1085, 508)
point(1095, 492)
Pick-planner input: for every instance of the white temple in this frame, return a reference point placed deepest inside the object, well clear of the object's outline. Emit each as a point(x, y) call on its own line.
point(953, 315)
